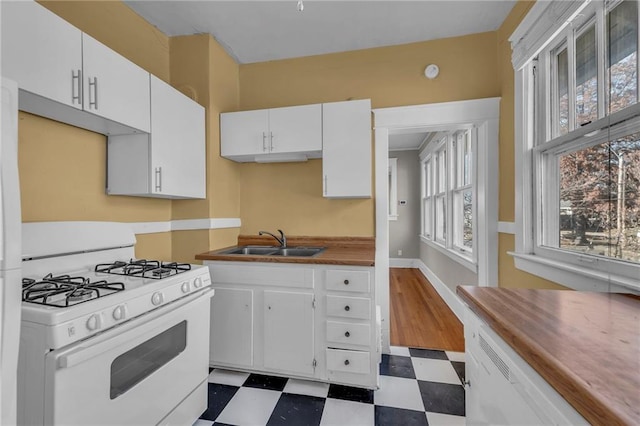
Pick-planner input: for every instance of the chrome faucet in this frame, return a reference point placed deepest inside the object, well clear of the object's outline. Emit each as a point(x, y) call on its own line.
point(282, 240)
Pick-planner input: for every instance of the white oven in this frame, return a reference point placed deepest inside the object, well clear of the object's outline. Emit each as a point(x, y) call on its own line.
point(130, 374)
point(107, 339)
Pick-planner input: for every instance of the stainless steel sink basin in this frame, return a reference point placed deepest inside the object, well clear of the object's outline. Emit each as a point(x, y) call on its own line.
point(275, 251)
point(299, 251)
point(262, 251)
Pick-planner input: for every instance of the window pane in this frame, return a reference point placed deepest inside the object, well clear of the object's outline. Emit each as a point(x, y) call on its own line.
point(466, 161)
point(622, 66)
point(467, 218)
point(442, 171)
point(562, 101)
point(427, 179)
point(441, 214)
point(599, 203)
point(427, 217)
point(586, 77)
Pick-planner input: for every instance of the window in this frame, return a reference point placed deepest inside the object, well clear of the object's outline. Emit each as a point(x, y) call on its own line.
point(581, 129)
point(448, 193)
point(427, 199)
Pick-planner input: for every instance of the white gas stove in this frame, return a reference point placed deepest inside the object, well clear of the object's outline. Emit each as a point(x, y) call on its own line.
point(117, 334)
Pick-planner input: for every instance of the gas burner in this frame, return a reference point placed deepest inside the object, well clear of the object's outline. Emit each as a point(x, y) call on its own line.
point(65, 290)
point(143, 268)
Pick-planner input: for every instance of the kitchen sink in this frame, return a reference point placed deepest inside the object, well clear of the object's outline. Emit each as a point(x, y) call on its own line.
point(275, 251)
point(261, 251)
point(299, 251)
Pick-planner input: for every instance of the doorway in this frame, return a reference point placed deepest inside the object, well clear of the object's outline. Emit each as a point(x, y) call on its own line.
point(483, 115)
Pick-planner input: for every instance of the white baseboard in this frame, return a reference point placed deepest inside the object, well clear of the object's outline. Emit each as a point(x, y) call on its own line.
point(402, 263)
point(449, 297)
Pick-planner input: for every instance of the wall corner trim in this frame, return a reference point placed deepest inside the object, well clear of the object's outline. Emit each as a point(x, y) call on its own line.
point(449, 297)
point(507, 228)
point(185, 225)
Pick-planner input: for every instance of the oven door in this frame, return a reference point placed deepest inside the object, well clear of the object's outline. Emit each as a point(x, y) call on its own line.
point(134, 374)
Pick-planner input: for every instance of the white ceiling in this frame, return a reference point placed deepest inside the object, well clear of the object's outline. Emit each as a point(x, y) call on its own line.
point(257, 31)
point(407, 141)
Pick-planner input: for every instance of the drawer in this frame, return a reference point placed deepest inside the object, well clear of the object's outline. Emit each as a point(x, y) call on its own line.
point(348, 361)
point(354, 281)
point(349, 307)
point(355, 334)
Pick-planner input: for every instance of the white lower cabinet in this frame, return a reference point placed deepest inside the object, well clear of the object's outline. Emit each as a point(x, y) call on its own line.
point(502, 388)
point(232, 324)
point(298, 325)
point(288, 332)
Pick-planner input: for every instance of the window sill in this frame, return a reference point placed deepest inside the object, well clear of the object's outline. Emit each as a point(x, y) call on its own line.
point(451, 254)
point(574, 277)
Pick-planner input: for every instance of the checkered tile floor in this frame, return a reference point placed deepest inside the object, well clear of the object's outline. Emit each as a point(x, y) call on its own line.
point(417, 387)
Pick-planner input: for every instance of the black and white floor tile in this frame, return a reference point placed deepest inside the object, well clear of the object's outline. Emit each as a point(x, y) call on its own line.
point(417, 387)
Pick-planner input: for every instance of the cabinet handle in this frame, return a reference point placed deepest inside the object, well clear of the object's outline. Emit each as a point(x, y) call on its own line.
point(346, 362)
point(264, 141)
point(347, 334)
point(93, 84)
point(76, 82)
point(347, 308)
point(346, 282)
point(325, 184)
point(158, 175)
point(467, 383)
point(271, 142)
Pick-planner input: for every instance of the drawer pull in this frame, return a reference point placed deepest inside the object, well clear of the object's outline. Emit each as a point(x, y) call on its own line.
point(346, 282)
point(347, 308)
point(347, 334)
point(346, 362)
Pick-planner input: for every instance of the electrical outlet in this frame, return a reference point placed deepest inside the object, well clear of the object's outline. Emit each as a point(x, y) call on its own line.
point(399, 252)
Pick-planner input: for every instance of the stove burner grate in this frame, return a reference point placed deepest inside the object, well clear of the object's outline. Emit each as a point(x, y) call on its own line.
point(143, 268)
point(65, 290)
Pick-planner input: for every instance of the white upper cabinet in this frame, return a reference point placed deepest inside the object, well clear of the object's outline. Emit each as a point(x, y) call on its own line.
point(41, 52)
point(178, 145)
point(270, 135)
point(346, 149)
point(66, 75)
point(244, 133)
point(295, 129)
point(168, 163)
point(114, 87)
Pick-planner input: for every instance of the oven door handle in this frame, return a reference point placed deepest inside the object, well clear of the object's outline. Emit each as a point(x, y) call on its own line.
point(146, 330)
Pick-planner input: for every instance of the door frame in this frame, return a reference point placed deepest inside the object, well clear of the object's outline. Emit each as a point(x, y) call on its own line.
point(482, 113)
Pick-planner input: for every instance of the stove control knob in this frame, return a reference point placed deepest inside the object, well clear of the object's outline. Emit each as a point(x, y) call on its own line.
point(197, 283)
point(119, 313)
point(94, 322)
point(157, 298)
point(185, 287)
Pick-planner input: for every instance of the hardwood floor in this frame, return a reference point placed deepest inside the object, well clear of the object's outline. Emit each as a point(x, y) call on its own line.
point(419, 316)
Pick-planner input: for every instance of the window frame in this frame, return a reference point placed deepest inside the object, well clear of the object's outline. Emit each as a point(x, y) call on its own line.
point(541, 33)
point(437, 184)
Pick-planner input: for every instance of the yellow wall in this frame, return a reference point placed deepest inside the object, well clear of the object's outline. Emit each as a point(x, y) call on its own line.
point(202, 69)
point(289, 195)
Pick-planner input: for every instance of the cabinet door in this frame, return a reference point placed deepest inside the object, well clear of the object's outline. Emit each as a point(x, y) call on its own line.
point(295, 129)
point(232, 327)
point(178, 158)
point(113, 86)
point(244, 133)
point(288, 332)
point(346, 149)
point(41, 52)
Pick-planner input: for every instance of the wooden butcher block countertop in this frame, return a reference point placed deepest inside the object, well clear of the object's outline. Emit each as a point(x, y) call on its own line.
point(357, 251)
point(585, 345)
